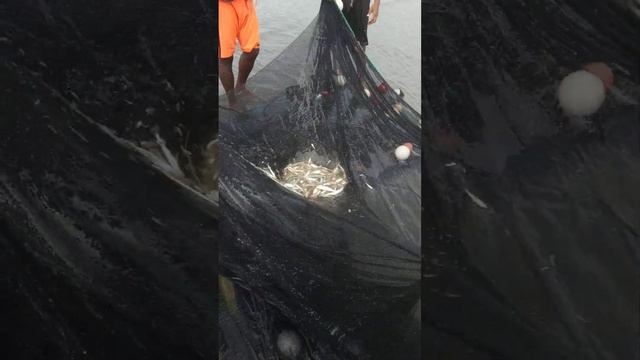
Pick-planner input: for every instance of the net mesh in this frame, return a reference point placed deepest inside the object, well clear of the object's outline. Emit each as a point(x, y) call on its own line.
point(342, 272)
point(532, 247)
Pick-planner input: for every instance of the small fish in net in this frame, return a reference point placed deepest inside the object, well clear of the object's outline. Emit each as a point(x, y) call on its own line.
point(310, 180)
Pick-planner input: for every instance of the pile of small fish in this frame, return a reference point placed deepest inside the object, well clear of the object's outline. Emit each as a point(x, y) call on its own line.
point(310, 180)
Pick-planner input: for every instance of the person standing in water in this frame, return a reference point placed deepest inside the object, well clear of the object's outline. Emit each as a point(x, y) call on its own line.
point(237, 22)
point(360, 14)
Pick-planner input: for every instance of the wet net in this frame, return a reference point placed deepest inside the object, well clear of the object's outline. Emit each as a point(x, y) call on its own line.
point(107, 214)
point(533, 248)
point(320, 277)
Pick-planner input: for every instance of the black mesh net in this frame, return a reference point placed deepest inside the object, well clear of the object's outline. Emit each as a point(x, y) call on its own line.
point(107, 239)
point(533, 249)
point(341, 273)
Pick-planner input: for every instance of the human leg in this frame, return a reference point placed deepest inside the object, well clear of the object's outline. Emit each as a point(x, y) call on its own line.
point(249, 37)
point(227, 35)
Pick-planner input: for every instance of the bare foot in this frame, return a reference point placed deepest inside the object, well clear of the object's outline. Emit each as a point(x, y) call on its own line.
point(242, 92)
point(231, 98)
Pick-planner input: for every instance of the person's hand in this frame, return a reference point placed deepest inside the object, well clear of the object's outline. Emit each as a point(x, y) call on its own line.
point(373, 11)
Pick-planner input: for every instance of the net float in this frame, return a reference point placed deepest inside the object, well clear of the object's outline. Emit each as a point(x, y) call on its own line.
point(581, 93)
point(602, 71)
point(403, 151)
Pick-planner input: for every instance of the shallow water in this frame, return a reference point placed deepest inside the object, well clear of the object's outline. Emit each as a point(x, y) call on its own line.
point(394, 40)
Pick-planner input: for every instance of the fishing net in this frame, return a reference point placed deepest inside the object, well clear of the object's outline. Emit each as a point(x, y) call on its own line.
point(107, 228)
point(340, 272)
point(542, 262)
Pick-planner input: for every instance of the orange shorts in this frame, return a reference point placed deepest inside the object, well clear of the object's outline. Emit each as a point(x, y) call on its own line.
point(237, 20)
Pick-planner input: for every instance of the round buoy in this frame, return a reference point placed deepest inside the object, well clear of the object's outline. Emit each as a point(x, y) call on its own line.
point(602, 71)
point(581, 93)
point(382, 88)
point(340, 5)
point(367, 92)
point(340, 79)
point(289, 344)
point(397, 107)
point(403, 151)
point(399, 92)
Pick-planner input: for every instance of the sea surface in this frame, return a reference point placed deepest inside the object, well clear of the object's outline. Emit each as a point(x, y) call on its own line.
point(394, 40)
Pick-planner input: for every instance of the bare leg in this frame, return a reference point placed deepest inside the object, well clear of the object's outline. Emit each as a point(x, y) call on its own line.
point(245, 66)
point(225, 71)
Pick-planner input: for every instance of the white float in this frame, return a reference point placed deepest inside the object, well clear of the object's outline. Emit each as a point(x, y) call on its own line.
point(403, 151)
point(289, 344)
point(581, 93)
